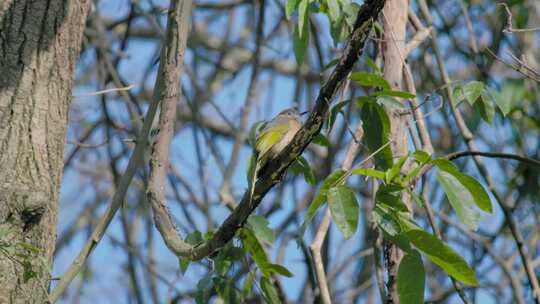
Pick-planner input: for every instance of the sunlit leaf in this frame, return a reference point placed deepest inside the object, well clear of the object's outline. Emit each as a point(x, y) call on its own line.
point(443, 256)
point(344, 209)
point(472, 91)
point(460, 198)
point(259, 225)
point(421, 156)
point(368, 172)
point(480, 196)
point(370, 80)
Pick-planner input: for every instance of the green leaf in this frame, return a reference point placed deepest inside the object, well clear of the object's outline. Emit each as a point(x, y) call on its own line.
point(486, 108)
point(421, 156)
point(443, 256)
point(457, 96)
point(204, 288)
point(321, 140)
point(368, 172)
point(226, 257)
point(377, 123)
point(330, 181)
point(253, 246)
point(480, 196)
point(391, 93)
point(370, 63)
point(344, 209)
point(418, 199)
point(333, 9)
point(303, 17)
point(222, 265)
point(351, 11)
point(472, 91)
point(269, 291)
point(391, 174)
point(290, 7)
point(460, 198)
point(248, 284)
point(301, 37)
point(193, 238)
point(386, 221)
point(301, 165)
point(390, 222)
point(259, 225)
point(361, 100)
point(279, 269)
point(512, 91)
point(411, 279)
point(391, 199)
point(370, 80)
point(333, 114)
point(412, 173)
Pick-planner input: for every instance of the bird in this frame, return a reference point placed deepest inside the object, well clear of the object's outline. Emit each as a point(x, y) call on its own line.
point(275, 135)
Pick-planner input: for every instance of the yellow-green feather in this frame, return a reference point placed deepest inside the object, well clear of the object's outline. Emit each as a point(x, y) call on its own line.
point(269, 137)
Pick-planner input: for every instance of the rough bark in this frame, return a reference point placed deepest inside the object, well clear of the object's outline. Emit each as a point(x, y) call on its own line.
point(39, 47)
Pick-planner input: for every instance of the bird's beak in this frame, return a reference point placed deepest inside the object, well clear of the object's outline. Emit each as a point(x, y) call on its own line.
point(304, 113)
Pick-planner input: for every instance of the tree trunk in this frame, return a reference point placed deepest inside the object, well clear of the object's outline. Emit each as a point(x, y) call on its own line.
point(39, 47)
point(395, 22)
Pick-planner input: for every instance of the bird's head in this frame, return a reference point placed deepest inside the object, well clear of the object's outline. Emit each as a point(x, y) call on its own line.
point(291, 112)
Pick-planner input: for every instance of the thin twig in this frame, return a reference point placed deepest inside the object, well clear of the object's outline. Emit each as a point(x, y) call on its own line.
point(509, 28)
point(96, 93)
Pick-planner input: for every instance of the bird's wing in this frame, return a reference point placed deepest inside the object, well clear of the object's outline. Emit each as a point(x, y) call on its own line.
point(268, 137)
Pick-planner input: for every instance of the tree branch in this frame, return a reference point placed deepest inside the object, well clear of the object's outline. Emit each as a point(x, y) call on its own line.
point(523, 159)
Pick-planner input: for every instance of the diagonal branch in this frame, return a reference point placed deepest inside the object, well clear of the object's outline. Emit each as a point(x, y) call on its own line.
point(277, 166)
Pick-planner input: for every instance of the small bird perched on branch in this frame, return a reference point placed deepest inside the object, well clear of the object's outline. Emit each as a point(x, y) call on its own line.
point(276, 135)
